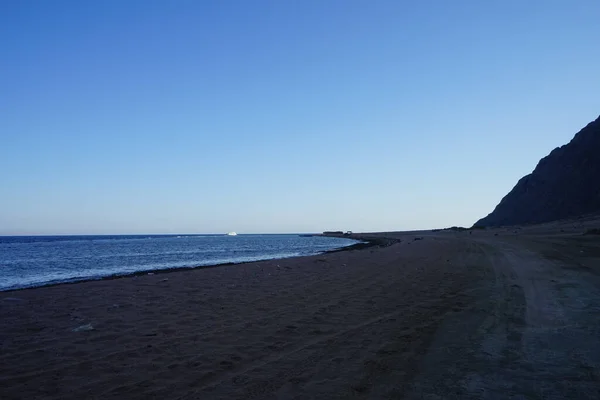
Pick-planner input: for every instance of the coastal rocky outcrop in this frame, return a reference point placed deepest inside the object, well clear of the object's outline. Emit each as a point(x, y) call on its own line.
point(565, 184)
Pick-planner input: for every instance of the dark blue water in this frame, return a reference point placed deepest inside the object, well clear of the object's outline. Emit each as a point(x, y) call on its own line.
point(27, 261)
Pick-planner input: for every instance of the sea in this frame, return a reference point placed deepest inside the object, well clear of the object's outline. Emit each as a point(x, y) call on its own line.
point(30, 261)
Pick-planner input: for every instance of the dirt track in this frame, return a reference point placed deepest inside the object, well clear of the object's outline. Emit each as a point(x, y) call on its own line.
point(533, 331)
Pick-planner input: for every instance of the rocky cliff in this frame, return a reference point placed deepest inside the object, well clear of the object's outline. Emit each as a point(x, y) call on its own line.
point(566, 183)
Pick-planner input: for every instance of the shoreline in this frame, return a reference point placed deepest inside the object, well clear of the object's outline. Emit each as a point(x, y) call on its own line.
point(339, 324)
point(362, 244)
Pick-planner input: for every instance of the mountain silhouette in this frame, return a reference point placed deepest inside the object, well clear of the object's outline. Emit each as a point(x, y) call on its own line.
point(564, 184)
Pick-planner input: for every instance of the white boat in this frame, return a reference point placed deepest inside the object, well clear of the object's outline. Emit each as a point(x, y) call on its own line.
point(232, 234)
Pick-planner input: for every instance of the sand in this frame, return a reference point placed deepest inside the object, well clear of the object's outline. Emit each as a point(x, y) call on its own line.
point(487, 314)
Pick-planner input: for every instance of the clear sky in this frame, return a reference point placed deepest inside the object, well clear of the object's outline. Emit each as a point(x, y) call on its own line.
point(120, 116)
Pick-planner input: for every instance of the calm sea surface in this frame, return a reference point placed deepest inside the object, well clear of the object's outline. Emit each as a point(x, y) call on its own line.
point(27, 261)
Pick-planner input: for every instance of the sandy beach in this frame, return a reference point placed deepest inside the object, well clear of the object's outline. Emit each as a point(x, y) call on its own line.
point(474, 314)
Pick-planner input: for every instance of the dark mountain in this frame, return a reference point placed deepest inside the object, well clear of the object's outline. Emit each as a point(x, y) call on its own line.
point(565, 183)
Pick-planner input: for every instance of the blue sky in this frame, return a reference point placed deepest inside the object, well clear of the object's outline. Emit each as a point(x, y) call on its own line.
point(282, 116)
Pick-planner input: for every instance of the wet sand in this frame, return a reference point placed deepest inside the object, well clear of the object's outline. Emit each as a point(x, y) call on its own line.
point(482, 314)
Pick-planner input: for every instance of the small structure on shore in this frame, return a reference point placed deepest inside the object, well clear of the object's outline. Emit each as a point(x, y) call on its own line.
point(337, 233)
